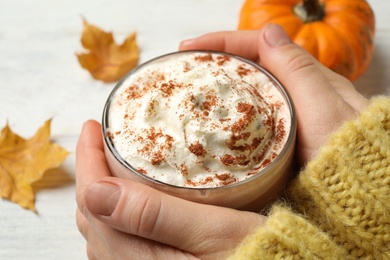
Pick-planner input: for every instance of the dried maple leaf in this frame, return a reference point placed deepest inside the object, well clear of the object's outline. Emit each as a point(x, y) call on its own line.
point(106, 60)
point(24, 161)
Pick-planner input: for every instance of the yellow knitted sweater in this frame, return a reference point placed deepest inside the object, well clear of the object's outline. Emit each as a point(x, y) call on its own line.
point(340, 202)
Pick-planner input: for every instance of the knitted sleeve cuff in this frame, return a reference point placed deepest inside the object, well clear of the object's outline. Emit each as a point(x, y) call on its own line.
point(287, 235)
point(342, 199)
point(345, 190)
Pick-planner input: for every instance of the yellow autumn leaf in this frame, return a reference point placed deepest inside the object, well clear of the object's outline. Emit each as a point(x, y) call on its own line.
point(104, 59)
point(24, 161)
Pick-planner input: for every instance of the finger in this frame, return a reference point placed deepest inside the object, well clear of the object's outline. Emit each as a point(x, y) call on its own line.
point(148, 213)
point(297, 70)
point(90, 159)
point(229, 41)
point(82, 224)
point(96, 248)
point(293, 63)
point(90, 254)
point(104, 242)
point(309, 83)
point(91, 230)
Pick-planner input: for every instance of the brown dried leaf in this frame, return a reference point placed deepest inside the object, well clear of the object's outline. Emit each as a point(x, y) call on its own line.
point(23, 162)
point(106, 60)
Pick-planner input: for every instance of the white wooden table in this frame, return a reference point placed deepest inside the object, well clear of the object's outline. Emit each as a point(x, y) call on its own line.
point(40, 78)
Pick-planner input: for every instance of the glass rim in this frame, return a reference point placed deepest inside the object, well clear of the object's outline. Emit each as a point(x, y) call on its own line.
point(289, 141)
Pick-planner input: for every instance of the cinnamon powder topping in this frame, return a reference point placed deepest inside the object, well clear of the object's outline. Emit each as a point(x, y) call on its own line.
point(204, 58)
point(243, 71)
point(197, 149)
point(243, 129)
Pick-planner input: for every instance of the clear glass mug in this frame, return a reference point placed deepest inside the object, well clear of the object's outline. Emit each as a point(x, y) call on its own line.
point(254, 193)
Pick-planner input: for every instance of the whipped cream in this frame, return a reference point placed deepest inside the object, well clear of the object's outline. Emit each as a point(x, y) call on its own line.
point(197, 119)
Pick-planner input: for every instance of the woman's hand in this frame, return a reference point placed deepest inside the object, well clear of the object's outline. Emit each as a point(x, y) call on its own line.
point(122, 219)
point(322, 98)
point(127, 220)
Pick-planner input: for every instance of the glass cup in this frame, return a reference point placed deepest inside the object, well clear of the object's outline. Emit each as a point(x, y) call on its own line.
point(253, 193)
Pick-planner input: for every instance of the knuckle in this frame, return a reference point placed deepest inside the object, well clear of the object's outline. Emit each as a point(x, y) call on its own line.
point(90, 253)
point(79, 200)
point(301, 62)
point(145, 215)
point(82, 224)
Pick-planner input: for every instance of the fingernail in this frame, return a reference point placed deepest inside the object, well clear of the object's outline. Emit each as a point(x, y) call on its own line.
point(185, 43)
point(83, 127)
point(101, 198)
point(276, 36)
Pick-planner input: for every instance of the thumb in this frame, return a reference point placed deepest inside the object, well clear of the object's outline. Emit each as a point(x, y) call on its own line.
point(314, 89)
point(299, 72)
point(142, 211)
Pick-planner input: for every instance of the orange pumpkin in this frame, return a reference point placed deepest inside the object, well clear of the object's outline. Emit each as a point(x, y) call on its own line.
point(339, 33)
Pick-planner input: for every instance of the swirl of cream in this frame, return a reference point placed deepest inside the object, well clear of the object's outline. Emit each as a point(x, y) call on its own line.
point(197, 120)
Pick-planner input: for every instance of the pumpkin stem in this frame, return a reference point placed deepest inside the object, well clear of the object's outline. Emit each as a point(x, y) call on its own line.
point(310, 11)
